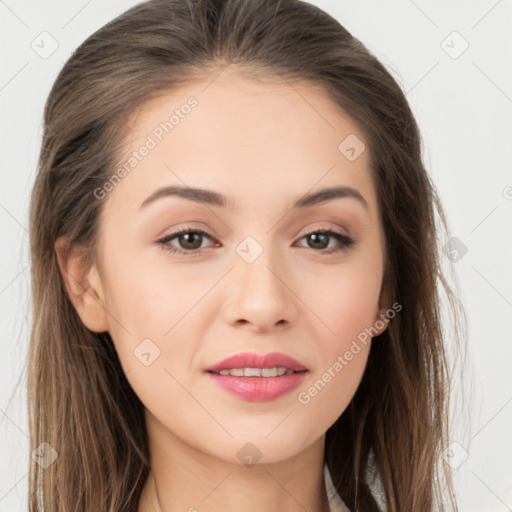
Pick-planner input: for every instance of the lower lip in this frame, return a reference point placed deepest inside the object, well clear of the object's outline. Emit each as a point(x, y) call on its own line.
point(259, 389)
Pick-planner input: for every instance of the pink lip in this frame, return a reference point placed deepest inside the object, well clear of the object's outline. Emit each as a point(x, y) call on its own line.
point(253, 360)
point(258, 389)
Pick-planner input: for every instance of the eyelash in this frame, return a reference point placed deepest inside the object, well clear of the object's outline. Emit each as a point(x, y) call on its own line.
point(345, 240)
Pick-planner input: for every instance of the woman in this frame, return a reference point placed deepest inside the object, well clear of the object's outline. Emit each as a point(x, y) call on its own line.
point(235, 272)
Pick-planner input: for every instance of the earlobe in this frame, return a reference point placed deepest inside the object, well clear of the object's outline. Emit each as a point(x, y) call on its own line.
point(83, 285)
point(382, 319)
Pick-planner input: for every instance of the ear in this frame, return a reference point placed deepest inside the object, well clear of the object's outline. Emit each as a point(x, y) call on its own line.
point(385, 303)
point(83, 285)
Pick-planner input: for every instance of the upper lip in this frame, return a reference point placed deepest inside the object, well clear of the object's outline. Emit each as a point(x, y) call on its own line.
point(254, 360)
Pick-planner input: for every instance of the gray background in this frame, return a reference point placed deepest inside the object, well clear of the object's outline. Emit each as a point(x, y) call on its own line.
point(463, 103)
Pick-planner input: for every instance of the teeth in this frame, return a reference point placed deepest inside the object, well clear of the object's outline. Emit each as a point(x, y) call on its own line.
point(252, 372)
point(278, 371)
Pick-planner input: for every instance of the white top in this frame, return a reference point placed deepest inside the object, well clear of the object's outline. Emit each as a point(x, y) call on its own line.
point(336, 504)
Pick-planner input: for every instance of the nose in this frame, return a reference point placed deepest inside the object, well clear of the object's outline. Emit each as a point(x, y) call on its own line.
point(260, 296)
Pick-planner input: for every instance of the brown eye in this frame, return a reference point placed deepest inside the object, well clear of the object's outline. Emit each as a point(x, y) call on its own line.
point(190, 241)
point(320, 240)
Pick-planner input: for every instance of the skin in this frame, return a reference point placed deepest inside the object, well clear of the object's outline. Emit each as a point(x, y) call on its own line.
point(264, 144)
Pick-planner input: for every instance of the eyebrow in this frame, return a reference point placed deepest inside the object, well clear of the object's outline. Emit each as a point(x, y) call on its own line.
point(210, 197)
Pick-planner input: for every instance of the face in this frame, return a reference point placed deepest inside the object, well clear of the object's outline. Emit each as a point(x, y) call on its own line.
point(253, 273)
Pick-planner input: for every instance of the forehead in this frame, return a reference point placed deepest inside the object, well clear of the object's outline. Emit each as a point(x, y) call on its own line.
point(246, 136)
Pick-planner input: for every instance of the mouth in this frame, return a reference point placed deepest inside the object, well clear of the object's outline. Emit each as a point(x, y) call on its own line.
point(277, 371)
point(256, 377)
point(252, 364)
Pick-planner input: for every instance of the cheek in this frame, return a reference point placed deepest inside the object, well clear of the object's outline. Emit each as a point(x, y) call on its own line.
point(326, 397)
point(150, 298)
point(151, 321)
point(347, 309)
point(342, 358)
point(345, 300)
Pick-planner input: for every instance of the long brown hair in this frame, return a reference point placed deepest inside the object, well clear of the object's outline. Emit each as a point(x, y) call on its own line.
point(80, 402)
